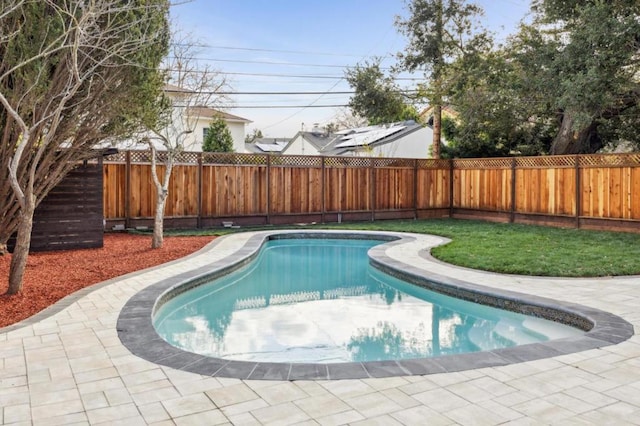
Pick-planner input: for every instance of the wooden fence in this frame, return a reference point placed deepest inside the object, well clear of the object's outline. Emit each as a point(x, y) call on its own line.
point(592, 191)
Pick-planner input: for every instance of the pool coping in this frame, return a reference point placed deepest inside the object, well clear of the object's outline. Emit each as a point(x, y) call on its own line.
point(136, 332)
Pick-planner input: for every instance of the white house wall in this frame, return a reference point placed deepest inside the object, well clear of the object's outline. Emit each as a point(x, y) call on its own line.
point(194, 140)
point(238, 133)
point(300, 146)
point(413, 145)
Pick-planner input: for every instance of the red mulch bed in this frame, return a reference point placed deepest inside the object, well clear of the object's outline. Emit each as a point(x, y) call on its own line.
point(53, 275)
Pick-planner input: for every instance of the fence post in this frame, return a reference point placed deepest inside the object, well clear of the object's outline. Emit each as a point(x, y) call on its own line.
point(451, 197)
point(200, 187)
point(415, 189)
point(268, 183)
point(127, 189)
point(512, 216)
point(372, 199)
point(322, 189)
point(578, 190)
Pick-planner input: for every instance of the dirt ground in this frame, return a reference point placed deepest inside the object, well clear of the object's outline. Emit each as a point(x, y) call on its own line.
point(53, 275)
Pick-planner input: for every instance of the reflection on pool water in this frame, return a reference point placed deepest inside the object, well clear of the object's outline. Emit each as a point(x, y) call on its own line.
point(319, 301)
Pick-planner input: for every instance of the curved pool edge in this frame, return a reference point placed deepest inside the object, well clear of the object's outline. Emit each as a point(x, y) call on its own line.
point(137, 334)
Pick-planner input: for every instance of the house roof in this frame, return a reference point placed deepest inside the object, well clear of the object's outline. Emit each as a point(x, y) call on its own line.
point(205, 111)
point(267, 145)
point(318, 140)
point(355, 139)
point(341, 142)
point(175, 89)
point(208, 112)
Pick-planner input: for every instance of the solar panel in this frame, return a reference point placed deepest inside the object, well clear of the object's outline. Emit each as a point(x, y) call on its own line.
point(369, 137)
point(269, 147)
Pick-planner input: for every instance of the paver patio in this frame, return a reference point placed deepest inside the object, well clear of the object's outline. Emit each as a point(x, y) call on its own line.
point(68, 366)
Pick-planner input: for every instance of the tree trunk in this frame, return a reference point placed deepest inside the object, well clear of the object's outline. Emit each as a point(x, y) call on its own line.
point(158, 223)
point(570, 141)
point(437, 130)
point(23, 243)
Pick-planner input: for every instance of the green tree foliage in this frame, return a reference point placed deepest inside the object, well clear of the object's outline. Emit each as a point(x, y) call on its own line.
point(439, 32)
point(377, 98)
point(592, 75)
point(218, 137)
point(72, 75)
point(567, 83)
point(492, 120)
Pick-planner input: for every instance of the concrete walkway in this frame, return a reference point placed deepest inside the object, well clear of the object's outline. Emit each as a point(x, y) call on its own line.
point(67, 366)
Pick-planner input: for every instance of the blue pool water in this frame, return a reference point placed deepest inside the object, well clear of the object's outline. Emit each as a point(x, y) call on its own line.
point(319, 301)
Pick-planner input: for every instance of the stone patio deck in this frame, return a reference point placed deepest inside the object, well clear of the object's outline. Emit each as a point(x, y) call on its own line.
point(67, 365)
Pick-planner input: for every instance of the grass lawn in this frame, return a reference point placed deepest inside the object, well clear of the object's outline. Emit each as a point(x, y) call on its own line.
point(510, 248)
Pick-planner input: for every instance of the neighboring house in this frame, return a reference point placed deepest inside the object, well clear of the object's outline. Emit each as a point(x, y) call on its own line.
point(401, 140)
point(309, 143)
point(204, 116)
point(266, 145)
point(196, 121)
point(406, 139)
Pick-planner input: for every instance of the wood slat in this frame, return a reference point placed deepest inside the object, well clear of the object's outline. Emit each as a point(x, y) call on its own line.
point(237, 186)
point(71, 216)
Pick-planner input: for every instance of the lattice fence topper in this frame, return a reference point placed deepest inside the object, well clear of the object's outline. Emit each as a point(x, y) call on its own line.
point(218, 157)
point(296, 161)
point(341, 162)
point(140, 156)
point(187, 158)
point(610, 160)
point(118, 157)
point(546, 162)
point(393, 162)
point(434, 164)
point(483, 163)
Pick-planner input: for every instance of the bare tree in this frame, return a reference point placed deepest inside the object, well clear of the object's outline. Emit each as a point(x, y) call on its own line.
point(68, 70)
point(191, 93)
point(344, 119)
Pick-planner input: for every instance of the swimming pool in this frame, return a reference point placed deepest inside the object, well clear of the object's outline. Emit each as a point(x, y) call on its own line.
point(320, 301)
point(402, 255)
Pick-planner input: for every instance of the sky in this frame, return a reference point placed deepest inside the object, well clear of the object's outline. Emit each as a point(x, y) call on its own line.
point(278, 46)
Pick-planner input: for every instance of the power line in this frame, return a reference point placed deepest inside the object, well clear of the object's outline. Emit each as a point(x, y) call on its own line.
point(204, 92)
point(269, 106)
point(311, 76)
point(242, 61)
point(253, 49)
point(286, 106)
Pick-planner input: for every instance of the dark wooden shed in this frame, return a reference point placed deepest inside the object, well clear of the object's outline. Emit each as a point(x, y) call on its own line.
point(71, 215)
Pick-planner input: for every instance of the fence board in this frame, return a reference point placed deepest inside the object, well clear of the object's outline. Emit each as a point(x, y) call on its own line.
point(233, 190)
point(143, 191)
point(252, 185)
point(114, 176)
point(482, 189)
point(348, 189)
point(546, 191)
point(633, 198)
point(295, 190)
point(611, 192)
point(395, 188)
point(433, 188)
point(183, 192)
